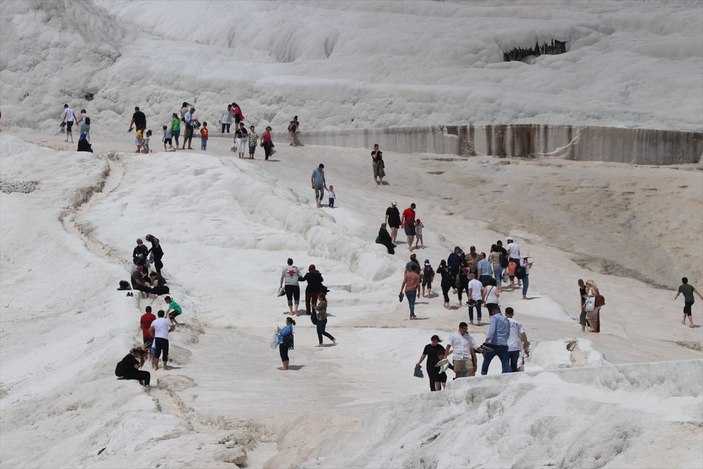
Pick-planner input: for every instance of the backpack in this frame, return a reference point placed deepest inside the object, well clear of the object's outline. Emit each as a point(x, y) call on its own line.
point(313, 317)
point(520, 272)
point(428, 272)
point(503, 260)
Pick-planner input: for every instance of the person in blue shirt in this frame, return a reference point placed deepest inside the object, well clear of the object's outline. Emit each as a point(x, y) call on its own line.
point(285, 341)
point(496, 341)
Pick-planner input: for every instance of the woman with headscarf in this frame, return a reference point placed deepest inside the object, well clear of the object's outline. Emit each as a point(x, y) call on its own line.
point(129, 367)
point(384, 237)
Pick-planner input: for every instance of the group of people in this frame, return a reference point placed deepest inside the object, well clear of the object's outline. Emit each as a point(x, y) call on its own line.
point(69, 119)
point(315, 305)
point(506, 339)
point(155, 329)
point(412, 226)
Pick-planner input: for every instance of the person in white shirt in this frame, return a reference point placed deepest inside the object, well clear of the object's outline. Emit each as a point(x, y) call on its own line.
point(476, 292)
point(69, 118)
point(290, 276)
point(160, 329)
point(517, 341)
point(513, 256)
point(464, 347)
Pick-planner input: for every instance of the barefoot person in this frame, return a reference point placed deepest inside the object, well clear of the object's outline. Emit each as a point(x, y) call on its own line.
point(411, 282)
point(129, 367)
point(318, 183)
point(464, 348)
point(393, 220)
point(378, 164)
point(434, 352)
point(289, 277)
point(174, 310)
point(409, 224)
point(160, 329)
point(68, 118)
point(687, 291)
point(285, 341)
point(322, 320)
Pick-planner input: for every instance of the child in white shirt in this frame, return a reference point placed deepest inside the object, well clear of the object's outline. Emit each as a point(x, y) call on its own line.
point(330, 192)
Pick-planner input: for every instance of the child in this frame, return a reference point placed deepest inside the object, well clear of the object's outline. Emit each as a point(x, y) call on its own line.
point(145, 145)
point(139, 140)
point(253, 138)
point(167, 138)
point(330, 191)
point(174, 310)
point(418, 232)
point(203, 136)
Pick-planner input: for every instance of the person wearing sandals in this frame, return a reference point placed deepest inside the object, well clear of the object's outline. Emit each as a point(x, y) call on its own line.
point(322, 320)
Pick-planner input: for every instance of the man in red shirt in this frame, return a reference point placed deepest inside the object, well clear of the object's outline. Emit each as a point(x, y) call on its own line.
point(409, 224)
point(146, 320)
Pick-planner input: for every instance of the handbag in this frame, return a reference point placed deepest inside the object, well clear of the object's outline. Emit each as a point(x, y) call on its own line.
point(599, 301)
point(281, 291)
point(418, 372)
point(590, 304)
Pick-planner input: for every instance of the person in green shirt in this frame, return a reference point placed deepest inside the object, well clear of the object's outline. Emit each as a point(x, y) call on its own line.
point(174, 310)
point(175, 128)
point(687, 291)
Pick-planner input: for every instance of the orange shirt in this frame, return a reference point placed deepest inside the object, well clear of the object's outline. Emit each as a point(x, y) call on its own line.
point(203, 132)
point(412, 280)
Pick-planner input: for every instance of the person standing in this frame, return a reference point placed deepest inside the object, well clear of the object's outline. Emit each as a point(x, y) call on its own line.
point(138, 120)
point(293, 131)
point(331, 196)
point(446, 274)
point(485, 270)
point(188, 120)
point(175, 128)
point(252, 140)
point(379, 167)
point(290, 278)
point(240, 139)
point(525, 266)
point(84, 121)
point(427, 277)
point(393, 220)
point(434, 352)
point(145, 322)
point(593, 316)
point(129, 367)
point(408, 222)
point(496, 343)
point(411, 281)
point(69, 118)
point(454, 261)
point(494, 261)
point(226, 119)
point(322, 320)
point(156, 253)
point(285, 341)
point(267, 143)
point(687, 291)
point(583, 294)
point(318, 183)
point(475, 293)
point(313, 289)
point(517, 341)
point(418, 233)
point(204, 134)
point(464, 348)
point(513, 256)
point(160, 329)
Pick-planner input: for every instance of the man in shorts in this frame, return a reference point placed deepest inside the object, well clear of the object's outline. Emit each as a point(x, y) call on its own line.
point(159, 330)
point(174, 310)
point(464, 348)
point(409, 224)
point(318, 183)
point(687, 291)
point(393, 220)
point(69, 118)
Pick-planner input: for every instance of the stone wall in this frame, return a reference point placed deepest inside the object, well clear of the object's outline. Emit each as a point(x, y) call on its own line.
point(634, 146)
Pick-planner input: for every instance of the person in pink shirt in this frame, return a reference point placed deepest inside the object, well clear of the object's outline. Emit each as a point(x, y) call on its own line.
point(411, 281)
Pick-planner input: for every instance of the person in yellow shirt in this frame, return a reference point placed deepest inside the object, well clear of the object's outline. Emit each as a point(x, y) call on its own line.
point(139, 140)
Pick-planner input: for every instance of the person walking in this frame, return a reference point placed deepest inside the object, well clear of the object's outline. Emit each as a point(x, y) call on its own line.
point(241, 137)
point(494, 261)
point(427, 277)
point(583, 294)
point(592, 316)
point(251, 140)
point(476, 294)
point(408, 222)
point(411, 281)
point(496, 343)
point(454, 261)
point(290, 278)
point(285, 341)
point(687, 291)
point(485, 270)
point(322, 320)
point(155, 252)
point(517, 341)
point(138, 120)
point(174, 310)
point(129, 367)
point(267, 143)
point(69, 118)
point(513, 249)
point(175, 129)
point(491, 294)
point(318, 183)
point(160, 329)
point(314, 279)
point(393, 220)
point(379, 167)
point(446, 282)
point(464, 348)
point(434, 352)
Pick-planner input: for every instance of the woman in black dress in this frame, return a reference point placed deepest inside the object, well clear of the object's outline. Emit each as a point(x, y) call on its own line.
point(434, 353)
point(446, 275)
